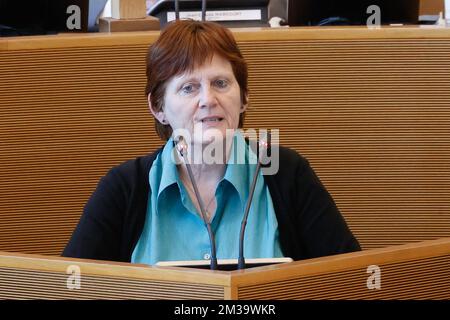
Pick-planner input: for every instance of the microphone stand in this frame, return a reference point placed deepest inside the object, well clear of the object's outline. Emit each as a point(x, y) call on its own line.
point(241, 259)
point(182, 148)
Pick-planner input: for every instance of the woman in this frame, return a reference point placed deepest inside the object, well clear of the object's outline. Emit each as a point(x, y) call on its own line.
point(146, 210)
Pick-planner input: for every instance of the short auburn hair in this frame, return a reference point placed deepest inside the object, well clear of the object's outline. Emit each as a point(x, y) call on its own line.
point(182, 46)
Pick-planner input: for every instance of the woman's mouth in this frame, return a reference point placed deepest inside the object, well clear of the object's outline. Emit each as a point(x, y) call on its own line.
point(211, 119)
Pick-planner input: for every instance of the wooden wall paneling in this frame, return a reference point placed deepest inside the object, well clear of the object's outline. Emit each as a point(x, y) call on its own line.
point(368, 108)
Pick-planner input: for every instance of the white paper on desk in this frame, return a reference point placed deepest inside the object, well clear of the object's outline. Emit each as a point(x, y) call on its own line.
point(447, 10)
point(219, 15)
point(107, 12)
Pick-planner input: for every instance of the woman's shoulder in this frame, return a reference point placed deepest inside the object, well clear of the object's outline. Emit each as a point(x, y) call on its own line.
point(133, 168)
point(287, 166)
point(290, 159)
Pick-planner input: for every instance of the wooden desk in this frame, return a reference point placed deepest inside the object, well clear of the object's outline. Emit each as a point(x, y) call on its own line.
point(370, 109)
point(412, 271)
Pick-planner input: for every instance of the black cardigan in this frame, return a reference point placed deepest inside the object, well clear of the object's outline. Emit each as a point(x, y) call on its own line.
point(310, 225)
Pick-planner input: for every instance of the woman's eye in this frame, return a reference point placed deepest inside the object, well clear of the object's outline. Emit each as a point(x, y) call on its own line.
point(221, 83)
point(187, 88)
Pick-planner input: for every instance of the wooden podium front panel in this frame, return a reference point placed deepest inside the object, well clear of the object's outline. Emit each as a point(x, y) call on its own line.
point(416, 271)
point(36, 277)
point(416, 279)
point(413, 271)
point(52, 285)
point(370, 109)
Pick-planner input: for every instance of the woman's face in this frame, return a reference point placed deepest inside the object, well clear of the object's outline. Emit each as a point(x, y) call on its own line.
point(205, 102)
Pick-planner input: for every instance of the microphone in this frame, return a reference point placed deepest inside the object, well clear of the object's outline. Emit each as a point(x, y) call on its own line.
point(203, 10)
point(181, 146)
point(264, 144)
point(177, 10)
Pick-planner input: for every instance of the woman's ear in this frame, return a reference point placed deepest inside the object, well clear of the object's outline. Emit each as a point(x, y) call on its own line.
point(159, 115)
point(244, 105)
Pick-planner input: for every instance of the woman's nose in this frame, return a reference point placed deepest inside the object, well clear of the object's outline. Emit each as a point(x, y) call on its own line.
point(208, 97)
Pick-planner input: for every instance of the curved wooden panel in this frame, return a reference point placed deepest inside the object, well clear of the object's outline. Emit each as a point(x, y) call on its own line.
point(414, 271)
point(66, 117)
point(368, 108)
point(418, 279)
point(24, 276)
point(373, 118)
point(20, 284)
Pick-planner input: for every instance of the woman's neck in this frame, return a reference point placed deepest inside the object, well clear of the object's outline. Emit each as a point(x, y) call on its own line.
point(208, 169)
